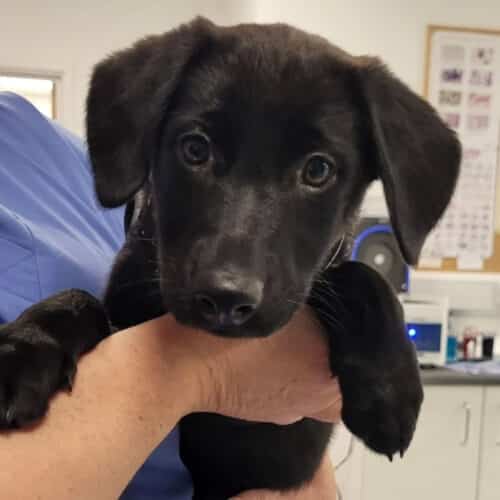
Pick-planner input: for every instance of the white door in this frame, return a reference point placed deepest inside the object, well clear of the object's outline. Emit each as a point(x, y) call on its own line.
point(442, 461)
point(489, 469)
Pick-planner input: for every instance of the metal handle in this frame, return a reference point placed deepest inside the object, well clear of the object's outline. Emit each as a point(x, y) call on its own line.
point(497, 442)
point(467, 410)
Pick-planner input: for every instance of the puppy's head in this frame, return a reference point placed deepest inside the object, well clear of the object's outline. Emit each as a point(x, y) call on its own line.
point(259, 143)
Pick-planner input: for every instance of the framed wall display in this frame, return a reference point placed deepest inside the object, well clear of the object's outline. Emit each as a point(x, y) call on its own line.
point(462, 81)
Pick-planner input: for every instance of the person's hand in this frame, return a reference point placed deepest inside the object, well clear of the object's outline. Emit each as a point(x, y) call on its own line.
point(279, 379)
point(322, 487)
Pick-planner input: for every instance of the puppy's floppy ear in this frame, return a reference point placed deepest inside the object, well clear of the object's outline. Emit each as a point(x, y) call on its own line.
point(128, 97)
point(416, 155)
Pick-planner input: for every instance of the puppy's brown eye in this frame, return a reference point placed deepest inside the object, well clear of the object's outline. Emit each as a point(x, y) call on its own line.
point(318, 171)
point(195, 148)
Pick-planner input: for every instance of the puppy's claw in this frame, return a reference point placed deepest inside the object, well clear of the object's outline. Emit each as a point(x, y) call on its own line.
point(9, 415)
point(68, 376)
point(68, 380)
point(401, 453)
point(389, 456)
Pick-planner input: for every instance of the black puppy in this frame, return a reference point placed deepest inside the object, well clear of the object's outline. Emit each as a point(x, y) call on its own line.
point(247, 152)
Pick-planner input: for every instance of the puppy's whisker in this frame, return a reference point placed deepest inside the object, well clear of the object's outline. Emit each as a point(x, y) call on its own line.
point(142, 238)
point(131, 284)
point(326, 290)
point(329, 302)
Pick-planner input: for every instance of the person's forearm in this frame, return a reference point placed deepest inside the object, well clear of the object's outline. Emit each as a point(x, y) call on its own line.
point(92, 441)
point(134, 387)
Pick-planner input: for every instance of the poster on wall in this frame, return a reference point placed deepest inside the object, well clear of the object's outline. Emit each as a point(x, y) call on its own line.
point(463, 83)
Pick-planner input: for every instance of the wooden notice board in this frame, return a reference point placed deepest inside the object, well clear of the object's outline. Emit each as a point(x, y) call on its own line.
point(462, 88)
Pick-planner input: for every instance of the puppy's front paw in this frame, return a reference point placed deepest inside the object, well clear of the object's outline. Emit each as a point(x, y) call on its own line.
point(382, 408)
point(32, 367)
point(372, 356)
point(39, 351)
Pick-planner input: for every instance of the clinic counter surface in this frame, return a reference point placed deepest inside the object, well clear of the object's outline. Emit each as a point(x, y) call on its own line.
point(444, 376)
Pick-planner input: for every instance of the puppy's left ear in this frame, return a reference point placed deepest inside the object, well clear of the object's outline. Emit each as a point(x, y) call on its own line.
point(128, 98)
point(415, 154)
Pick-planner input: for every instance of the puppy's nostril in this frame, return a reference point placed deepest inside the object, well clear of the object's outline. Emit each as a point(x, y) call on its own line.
point(206, 306)
point(241, 313)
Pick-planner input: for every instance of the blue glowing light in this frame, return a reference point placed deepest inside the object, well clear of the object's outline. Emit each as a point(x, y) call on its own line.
point(412, 332)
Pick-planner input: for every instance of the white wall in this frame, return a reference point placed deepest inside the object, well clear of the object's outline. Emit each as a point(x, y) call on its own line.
point(68, 37)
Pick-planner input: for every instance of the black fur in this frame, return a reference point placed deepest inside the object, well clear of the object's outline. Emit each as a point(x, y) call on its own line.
point(267, 97)
point(39, 352)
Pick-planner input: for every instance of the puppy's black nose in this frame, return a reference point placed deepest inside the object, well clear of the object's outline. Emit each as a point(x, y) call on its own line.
point(227, 299)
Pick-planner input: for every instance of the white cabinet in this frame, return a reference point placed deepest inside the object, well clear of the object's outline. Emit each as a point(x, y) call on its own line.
point(347, 453)
point(455, 454)
point(442, 462)
point(489, 460)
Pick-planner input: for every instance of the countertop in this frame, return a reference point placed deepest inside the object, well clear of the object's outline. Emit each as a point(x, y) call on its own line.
point(446, 376)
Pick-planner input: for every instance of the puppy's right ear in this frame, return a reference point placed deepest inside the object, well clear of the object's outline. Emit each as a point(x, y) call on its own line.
point(129, 94)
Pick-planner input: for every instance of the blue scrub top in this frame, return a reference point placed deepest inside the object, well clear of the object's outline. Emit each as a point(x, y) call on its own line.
point(53, 236)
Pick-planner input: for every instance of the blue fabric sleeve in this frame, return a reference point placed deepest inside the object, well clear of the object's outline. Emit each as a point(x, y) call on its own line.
point(54, 236)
